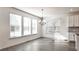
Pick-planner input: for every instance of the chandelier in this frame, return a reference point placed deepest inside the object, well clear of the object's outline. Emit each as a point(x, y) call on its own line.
point(42, 21)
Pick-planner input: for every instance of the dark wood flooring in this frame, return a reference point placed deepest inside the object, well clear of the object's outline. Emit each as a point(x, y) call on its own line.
point(43, 44)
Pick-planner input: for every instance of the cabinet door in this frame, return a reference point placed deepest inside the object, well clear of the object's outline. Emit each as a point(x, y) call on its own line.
point(70, 21)
point(71, 37)
point(75, 21)
point(78, 20)
point(77, 43)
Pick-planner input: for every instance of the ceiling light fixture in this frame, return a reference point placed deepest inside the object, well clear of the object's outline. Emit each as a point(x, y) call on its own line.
point(42, 21)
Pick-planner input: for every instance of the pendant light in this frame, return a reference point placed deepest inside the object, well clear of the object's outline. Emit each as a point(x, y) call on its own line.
point(42, 21)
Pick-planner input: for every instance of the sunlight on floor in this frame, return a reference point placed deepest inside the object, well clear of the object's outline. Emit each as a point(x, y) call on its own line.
point(58, 36)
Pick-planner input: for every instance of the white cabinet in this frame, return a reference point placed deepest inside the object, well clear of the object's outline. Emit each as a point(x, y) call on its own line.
point(77, 43)
point(74, 21)
point(77, 20)
point(72, 36)
point(70, 21)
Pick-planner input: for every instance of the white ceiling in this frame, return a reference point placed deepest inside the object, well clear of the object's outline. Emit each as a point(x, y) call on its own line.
point(49, 11)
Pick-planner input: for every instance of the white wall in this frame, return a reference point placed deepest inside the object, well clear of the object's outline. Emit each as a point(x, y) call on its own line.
point(63, 27)
point(5, 40)
point(49, 23)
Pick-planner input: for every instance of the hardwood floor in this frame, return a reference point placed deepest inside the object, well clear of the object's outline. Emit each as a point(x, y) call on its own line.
point(43, 44)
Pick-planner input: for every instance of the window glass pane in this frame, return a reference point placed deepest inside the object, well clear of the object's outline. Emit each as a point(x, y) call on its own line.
point(15, 25)
point(34, 26)
point(27, 25)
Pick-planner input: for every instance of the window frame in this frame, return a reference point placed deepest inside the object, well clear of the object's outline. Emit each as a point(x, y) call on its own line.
point(36, 27)
point(28, 27)
point(10, 25)
point(22, 27)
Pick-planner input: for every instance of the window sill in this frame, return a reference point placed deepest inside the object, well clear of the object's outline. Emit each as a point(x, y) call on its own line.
point(22, 36)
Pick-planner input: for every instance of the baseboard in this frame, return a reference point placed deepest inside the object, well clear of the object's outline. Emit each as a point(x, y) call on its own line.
point(20, 43)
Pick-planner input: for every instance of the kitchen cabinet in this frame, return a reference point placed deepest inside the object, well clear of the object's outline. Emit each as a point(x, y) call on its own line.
point(72, 36)
point(77, 43)
point(74, 21)
point(77, 20)
point(70, 21)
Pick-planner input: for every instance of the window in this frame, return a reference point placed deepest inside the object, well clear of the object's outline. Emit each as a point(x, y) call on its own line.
point(15, 25)
point(21, 26)
point(26, 26)
point(34, 26)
